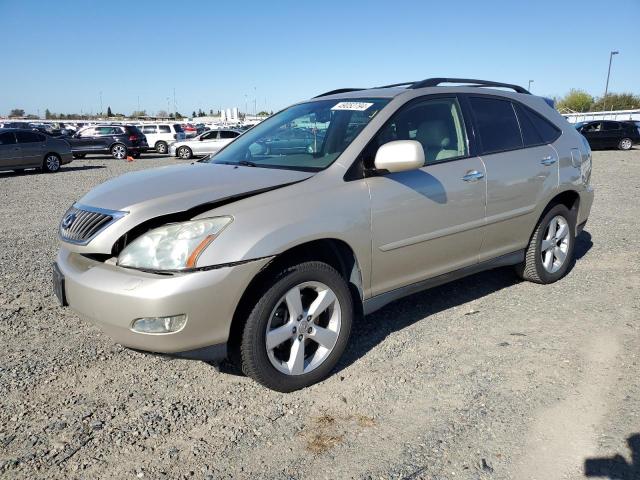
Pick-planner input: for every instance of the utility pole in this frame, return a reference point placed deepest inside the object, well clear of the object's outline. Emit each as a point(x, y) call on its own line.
point(175, 108)
point(606, 88)
point(100, 103)
point(529, 87)
point(138, 103)
point(255, 102)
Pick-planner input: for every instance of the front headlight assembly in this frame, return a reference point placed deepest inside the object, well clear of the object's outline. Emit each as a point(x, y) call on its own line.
point(175, 246)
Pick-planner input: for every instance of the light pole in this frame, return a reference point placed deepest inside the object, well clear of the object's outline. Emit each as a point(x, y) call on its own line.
point(606, 88)
point(100, 103)
point(529, 87)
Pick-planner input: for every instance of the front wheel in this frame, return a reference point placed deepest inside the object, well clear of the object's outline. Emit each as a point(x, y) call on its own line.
point(625, 144)
point(51, 163)
point(185, 153)
point(119, 151)
point(299, 328)
point(550, 251)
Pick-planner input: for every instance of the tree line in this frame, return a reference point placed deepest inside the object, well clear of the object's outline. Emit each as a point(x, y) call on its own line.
point(581, 101)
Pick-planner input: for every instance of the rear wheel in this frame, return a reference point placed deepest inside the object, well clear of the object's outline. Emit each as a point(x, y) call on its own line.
point(298, 329)
point(161, 147)
point(550, 251)
point(185, 153)
point(625, 144)
point(51, 163)
point(119, 151)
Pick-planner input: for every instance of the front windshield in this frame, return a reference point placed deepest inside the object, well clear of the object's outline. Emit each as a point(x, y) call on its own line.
point(308, 137)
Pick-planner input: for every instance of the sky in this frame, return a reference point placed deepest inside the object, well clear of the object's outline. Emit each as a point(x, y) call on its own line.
point(64, 55)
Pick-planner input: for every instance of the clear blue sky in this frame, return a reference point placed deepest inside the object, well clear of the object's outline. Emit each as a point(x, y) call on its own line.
point(61, 54)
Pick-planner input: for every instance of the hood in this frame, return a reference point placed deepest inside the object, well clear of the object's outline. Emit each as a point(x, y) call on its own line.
point(148, 194)
point(181, 187)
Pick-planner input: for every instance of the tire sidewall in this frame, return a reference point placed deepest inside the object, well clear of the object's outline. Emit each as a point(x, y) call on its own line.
point(545, 276)
point(254, 344)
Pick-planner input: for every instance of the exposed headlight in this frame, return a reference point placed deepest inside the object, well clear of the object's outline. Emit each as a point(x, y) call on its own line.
point(175, 246)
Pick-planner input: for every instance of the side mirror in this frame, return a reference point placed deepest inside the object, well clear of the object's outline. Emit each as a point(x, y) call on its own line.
point(400, 156)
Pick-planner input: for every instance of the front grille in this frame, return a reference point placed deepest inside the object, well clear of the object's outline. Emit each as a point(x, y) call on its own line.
point(81, 223)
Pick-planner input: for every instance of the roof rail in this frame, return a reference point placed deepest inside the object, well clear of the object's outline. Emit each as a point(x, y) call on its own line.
point(339, 90)
point(434, 82)
point(396, 85)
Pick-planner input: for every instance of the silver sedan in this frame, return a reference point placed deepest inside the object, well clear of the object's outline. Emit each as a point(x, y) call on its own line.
point(206, 143)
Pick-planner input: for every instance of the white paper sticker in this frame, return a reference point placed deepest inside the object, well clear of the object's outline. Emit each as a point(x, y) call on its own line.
point(358, 106)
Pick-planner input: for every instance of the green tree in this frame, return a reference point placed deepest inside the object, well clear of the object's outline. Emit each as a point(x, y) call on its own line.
point(193, 115)
point(178, 116)
point(617, 101)
point(138, 113)
point(16, 112)
point(109, 112)
point(47, 114)
point(575, 101)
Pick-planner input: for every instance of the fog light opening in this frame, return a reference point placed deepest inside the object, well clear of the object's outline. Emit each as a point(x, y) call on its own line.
point(171, 324)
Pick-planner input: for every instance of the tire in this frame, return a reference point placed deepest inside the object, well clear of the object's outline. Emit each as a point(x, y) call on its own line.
point(184, 153)
point(161, 147)
point(51, 163)
point(547, 242)
point(625, 144)
point(119, 151)
point(79, 155)
point(275, 367)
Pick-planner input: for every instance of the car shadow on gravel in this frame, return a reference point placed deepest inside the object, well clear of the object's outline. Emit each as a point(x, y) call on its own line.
point(63, 169)
point(616, 467)
point(374, 328)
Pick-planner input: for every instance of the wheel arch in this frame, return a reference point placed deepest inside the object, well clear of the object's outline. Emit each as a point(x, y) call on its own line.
point(335, 252)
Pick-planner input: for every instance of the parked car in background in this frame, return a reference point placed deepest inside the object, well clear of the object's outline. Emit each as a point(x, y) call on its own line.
point(160, 135)
point(117, 140)
point(209, 142)
point(293, 140)
point(268, 258)
point(609, 134)
point(189, 130)
point(21, 149)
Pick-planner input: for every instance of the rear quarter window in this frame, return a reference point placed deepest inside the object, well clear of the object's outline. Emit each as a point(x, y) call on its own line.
point(536, 130)
point(164, 129)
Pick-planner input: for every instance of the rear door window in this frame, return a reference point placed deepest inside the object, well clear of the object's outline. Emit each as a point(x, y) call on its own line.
point(497, 124)
point(164, 129)
point(7, 138)
point(228, 134)
point(610, 126)
point(29, 137)
point(149, 129)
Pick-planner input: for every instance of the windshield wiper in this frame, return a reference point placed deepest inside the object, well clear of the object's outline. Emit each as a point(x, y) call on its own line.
point(247, 163)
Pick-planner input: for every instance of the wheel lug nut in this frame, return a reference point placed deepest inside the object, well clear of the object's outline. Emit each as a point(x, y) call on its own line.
point(300, 337)
point(309, 318)
point(299, 317)
point(295, 329)
point(309, 330)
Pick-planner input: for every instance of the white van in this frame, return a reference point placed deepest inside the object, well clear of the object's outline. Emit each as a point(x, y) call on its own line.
point(160, 135)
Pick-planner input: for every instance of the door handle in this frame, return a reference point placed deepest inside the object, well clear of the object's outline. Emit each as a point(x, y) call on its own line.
point(549, 160)
point(473, 176)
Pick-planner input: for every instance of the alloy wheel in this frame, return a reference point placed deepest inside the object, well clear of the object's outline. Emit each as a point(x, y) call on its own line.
point(119, 152)
point(625, 144)
point(53, 163)
point(555, 245)
point(184, 153)
point(303, 328)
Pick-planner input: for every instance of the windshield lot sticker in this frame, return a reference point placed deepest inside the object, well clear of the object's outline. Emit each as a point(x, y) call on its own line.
point(357, 106)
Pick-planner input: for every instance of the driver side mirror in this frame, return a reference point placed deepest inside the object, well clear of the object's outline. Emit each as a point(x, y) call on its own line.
point(400, 156)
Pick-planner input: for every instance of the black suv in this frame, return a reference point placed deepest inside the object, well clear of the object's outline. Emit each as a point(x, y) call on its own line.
point(609, 134)
point(118, 140)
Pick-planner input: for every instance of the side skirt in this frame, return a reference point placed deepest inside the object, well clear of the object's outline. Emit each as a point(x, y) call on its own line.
point(375, 303)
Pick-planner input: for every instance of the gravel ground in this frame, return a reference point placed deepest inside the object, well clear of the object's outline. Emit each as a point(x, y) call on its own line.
point(487, 377)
